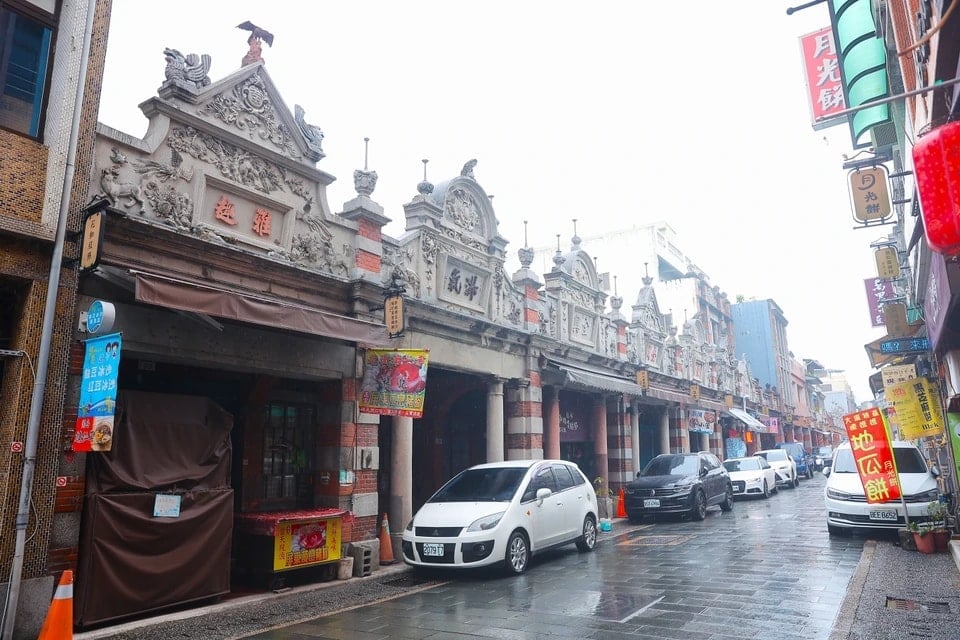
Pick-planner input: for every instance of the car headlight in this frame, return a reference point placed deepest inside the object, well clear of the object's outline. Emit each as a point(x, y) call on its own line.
point(837, 495)
point(928, 496)
point(410, 525)
point(486, 522)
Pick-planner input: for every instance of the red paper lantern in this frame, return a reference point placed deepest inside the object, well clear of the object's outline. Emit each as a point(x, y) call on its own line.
point(936, 165)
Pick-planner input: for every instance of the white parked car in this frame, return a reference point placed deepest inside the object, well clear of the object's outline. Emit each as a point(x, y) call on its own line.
point(503, 512)
point(751, 476)
point(783, 464)
point(846, 501)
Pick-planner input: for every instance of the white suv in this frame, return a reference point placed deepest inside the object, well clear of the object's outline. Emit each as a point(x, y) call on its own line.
point(846, 502)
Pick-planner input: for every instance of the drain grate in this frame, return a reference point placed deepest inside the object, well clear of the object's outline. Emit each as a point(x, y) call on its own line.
point(915, 605)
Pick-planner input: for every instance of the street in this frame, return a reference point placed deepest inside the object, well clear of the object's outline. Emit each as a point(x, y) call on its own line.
point(767, 569)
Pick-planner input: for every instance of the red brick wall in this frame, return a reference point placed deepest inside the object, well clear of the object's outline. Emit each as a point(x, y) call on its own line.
point(368, 261)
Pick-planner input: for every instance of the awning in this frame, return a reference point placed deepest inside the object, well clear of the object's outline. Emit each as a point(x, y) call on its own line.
point(683, 398)
point(190, 296)
point(752, 423)
point(878, 358)
point(600, 382)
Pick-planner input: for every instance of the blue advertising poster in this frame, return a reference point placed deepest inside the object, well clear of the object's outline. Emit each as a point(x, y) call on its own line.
point(98, 394)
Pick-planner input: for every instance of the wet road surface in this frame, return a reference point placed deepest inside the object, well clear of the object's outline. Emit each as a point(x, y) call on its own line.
point(768, 569)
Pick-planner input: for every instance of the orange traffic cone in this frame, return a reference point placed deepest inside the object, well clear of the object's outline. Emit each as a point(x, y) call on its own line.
point(621, 508)
point(59, 622)
point(386, 546)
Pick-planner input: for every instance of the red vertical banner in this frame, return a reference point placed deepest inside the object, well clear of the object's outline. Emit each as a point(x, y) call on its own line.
point(822, 73)
point(870, 442)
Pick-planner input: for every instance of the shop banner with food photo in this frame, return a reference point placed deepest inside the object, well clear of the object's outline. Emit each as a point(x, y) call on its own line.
point(98, 394)
point(869, 438)
point(394, 382)
point(701, 420)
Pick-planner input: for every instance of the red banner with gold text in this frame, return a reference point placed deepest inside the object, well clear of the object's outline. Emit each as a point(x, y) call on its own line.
point(870, 441)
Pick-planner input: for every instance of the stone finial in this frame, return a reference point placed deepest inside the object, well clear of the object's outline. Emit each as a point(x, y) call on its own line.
point(365, 181)
point(647, 280)
point(467, 170)
point(425, 188)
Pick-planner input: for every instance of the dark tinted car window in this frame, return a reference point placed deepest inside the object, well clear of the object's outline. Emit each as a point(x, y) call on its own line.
point(672, 465)
point(563, 475)
point(542, 480)
point(481, 485)
point(773, 455)
point(745, 464)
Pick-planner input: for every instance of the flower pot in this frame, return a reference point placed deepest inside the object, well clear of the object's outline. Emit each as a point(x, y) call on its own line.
point(940, 539)
point(925, 542)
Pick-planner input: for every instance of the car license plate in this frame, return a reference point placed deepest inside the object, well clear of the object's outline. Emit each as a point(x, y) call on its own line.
point(651, 504)
point(432, 549)
point(887, 515)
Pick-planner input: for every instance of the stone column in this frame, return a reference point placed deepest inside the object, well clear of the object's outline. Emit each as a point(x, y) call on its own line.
point(635, 437)
point(401, 480)
point(495, 421)
point(600, 439)
point(664, 431)
point(551, 431)
point(704, 441)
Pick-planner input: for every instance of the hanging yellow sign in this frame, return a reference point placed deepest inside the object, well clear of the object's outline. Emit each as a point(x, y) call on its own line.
point(916, 404)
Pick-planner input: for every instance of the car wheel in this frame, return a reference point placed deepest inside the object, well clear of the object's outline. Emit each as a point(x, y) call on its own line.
point(698, 507)
point(839, 531)
point(727, 504)
point(588, 540)
point(635, 519)
point(809, 473)
point(518, 553)
point(796, 481)
point(766, 490)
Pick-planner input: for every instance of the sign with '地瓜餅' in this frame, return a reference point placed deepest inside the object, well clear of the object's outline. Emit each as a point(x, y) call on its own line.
point(870, 442)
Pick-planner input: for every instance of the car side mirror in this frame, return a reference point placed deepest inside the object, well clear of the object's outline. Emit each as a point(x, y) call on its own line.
point(935, 471)
point(543, 493)
point(825, 471)
point(704, 472)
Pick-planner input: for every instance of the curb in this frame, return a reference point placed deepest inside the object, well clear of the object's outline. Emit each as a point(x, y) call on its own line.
point(851, 600)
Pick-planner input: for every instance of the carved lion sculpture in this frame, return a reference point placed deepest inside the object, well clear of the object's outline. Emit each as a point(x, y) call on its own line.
point(126, 193)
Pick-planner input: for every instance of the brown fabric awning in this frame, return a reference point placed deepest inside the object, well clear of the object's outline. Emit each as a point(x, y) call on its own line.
point(683, 398)
point(189, 296)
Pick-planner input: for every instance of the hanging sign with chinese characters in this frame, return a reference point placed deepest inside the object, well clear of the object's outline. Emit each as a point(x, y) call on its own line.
point(701, 421)
point(888, 263)
point(879, 292)
point(394, 382)
point(917, 406)
point(822, 72)
point(870, 443)
point(98, 394)
point(870, 194)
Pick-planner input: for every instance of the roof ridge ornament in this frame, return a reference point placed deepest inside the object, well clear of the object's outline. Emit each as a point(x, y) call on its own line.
point(257, 35)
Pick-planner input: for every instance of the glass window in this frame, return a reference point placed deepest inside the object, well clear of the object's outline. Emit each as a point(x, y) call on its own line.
point(543, 479)
point(24, 58)
point(490, 484)
point(288, 454)
point(672, 465)
point(563, 475)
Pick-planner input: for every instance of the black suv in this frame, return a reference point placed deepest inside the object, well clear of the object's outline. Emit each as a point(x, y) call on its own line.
point(684, 483)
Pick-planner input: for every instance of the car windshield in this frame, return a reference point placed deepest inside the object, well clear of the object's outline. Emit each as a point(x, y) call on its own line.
point(796, 450)
point(909, 460)
point(772, 455)
point(743, 464)
point(825, 451)
point(672, 466)
point(491, 484)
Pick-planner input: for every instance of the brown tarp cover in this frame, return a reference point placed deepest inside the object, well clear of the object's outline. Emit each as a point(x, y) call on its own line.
point(162, 442)
point(131, 562)
point(189, 296)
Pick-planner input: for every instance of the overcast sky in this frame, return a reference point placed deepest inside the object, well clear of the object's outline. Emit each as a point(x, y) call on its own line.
point(613, 113)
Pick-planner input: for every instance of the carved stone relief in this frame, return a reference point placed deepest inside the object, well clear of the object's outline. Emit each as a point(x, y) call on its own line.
point(461, 207)
point(248, 108)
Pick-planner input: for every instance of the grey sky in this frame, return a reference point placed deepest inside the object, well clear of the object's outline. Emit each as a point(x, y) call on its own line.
point(613, 113)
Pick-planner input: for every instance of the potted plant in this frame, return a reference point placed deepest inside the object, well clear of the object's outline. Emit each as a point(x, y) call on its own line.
point(938, 524)
point(922, 537)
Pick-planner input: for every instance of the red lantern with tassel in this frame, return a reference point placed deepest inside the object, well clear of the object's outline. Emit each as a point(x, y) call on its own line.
point(936, 165)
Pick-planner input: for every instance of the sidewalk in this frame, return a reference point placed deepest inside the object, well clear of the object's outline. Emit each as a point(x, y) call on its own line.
point(897, 593)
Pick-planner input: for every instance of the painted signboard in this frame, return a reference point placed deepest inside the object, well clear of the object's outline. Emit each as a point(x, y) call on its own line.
point(98, 394)
point(870, 442)
point(394, 382)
